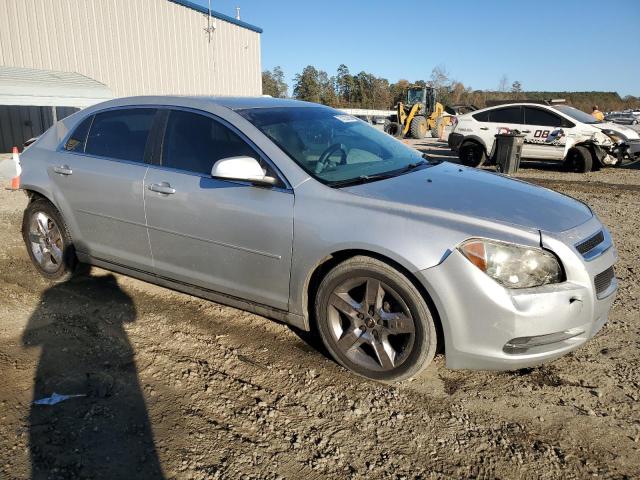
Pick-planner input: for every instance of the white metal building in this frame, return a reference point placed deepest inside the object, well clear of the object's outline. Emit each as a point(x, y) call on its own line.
point(73, 51)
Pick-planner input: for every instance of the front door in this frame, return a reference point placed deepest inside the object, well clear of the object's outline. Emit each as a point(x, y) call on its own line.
point(230, 237)
point(545, 139)
point(98, 177)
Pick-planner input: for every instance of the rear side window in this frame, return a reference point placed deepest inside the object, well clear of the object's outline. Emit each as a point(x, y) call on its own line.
point(120, 134)
point(195, 142)
point(538, 116)
point(506, 115)
point(481, 116)
point(78, 138)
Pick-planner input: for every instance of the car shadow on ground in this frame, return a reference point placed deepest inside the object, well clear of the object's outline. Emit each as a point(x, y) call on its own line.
point(105, 431)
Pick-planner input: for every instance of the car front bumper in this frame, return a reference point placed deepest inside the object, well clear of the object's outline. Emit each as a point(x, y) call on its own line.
point(489, 327)
point(633, 148)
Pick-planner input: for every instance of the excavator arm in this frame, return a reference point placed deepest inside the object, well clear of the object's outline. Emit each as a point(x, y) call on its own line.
point(406, 122)
point(438, 110)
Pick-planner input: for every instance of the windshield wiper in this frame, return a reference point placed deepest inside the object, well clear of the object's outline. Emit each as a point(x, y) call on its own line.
point(432, 161)
point(378, 176)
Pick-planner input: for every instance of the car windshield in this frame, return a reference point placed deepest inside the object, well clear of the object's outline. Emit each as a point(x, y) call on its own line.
point(576, 114)
point(333, 147)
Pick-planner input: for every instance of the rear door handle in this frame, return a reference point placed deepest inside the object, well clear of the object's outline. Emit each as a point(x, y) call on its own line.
point(484, 128)
point(63, 170)
point(526, 131)
point(162, 187)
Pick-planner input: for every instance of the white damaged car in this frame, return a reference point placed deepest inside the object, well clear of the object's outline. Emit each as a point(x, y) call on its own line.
point(551, 132)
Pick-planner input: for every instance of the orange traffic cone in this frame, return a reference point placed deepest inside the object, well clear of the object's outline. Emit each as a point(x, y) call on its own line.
point(15, 181)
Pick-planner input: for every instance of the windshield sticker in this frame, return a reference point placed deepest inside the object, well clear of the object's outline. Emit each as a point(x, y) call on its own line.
point(346, 118)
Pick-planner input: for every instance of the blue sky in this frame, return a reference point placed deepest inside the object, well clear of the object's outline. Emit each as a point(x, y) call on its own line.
point(546, 45)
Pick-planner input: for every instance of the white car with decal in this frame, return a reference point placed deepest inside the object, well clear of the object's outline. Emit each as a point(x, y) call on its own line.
point(551, 132)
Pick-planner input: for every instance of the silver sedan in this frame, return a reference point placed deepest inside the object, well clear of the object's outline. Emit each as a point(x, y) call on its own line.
point(301, 213)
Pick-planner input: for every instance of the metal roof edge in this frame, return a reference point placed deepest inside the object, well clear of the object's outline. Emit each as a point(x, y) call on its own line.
point(218, 15)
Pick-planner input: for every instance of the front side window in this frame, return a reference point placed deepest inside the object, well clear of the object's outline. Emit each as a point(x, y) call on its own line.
point(538, 116)
point(78, 138)
point(333, 147)
point(506, 115)
point(120, 134)
point(195, 142)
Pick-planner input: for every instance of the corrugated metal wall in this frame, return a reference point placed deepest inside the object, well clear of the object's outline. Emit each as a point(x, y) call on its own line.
point(135, 47)
point(18, 124)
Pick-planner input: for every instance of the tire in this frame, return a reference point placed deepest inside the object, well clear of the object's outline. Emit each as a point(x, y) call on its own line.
point(55, 264)
point(393, 128)
point(579, 160)
point(472, 154)
point(363, 342)
point(418, 127)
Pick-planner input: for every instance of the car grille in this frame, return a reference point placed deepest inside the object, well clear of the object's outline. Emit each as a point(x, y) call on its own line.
point(603, 280)
point(590, 243)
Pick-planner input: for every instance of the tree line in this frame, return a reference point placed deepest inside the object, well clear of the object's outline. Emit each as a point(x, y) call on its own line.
point(365, 90)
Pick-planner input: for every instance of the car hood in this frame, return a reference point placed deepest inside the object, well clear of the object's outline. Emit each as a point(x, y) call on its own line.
point(629, 133)
point(479, 194)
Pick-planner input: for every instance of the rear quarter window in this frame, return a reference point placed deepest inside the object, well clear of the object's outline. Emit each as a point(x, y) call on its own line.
point(481, 116)
point(78, 138)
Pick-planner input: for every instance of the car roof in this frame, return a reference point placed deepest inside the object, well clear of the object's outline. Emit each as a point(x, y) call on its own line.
point(232, 103)
point(519, 104)
point(243, 103)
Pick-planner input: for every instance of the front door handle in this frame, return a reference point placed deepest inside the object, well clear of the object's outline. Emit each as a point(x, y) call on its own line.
point(484, 128)
point(162, 187)
point(63, 170)
point(525, 131)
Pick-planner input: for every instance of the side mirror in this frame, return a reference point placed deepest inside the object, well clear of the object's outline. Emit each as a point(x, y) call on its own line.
point(245, 169)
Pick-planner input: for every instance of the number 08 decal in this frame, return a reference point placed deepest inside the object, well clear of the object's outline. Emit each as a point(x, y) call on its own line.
point(541, 133)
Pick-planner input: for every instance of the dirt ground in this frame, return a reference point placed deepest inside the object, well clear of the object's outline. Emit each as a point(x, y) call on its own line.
point(179, 387)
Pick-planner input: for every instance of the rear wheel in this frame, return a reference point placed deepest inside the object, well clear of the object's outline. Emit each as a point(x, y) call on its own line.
point(579, 160)
point(393, 128)
point(419, 127)
point(48, 241)
point(472, 154)
point(374, 321)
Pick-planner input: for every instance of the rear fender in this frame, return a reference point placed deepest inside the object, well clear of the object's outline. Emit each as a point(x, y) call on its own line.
point(475, 139)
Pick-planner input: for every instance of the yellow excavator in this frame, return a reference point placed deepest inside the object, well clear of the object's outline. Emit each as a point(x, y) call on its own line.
point(417, 116)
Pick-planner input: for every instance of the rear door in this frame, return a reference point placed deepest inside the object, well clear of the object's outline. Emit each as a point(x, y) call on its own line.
point(482, 129)
point(227, 236)
point(99, 177)
point(545, 138)
point(499, 120)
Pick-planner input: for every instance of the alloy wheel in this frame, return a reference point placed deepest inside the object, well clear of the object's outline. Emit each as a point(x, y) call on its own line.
point(371, 324)
point(46, 242)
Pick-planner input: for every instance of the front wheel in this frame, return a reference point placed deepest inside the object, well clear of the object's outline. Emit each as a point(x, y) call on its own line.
point(579, 160)
point(418, 127)
point(374, 321)
point(48, 241)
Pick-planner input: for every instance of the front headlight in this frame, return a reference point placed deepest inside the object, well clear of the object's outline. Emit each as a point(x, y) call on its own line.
point(513, 266)
point(614, 136)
